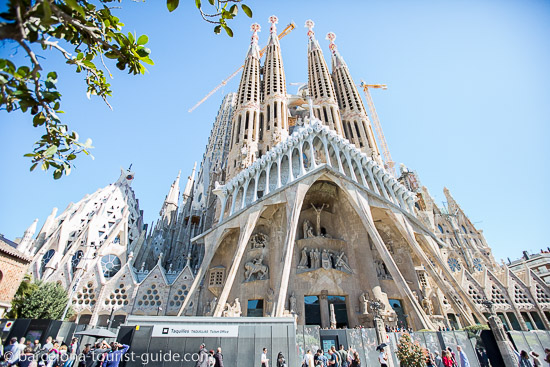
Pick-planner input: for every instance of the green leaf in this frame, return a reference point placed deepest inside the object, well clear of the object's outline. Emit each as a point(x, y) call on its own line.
point(234, 9)
point(111, 55)
point(33, 167)
point(47, 12)
point(50, 151)
point(144, 52)
point(71, 156)
point(74, 5)
point(211, 2)
point(57, 174)
point(217, 29)
point(198, 4)
point(172, 4)
point(143, 39)
point(247, 10)
point(228, 31)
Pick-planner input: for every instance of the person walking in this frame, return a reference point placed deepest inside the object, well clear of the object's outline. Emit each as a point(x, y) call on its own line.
point(447, 358)
point(343, 354)
point(356, 362)
point(383, 357)
point(308, 359)
point(438, 362)
point(453, 357)
point(464, 362)
point(322, 360)
point(523, 357)
point(203, 356)
point(85, 356)
point(263, 358)
point(281, 361)
point(218, 358)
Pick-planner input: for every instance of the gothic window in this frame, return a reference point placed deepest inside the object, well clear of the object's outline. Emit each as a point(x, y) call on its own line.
point(478, 265)
point(464, 230)
point(216, 277)
point(110, 264)
point(497, 296)
point(117, 239)
point(179, 296)
point(474, 295)
point(454, 264)
point(542, 296)
point(76, 259)
point(46, 258)
point(440, 228)
point(118, 297)
point(86, 296)
point(519, 296)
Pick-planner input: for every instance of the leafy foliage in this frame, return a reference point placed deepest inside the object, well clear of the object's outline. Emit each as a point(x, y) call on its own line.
point(23, 292)
point(45, 301)
point(410, 354)
point(85, 34)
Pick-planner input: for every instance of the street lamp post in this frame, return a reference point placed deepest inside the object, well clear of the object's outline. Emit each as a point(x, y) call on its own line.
point(111, 317)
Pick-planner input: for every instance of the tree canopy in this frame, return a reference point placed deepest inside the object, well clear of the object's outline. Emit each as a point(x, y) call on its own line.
point(85, 34)
point(39, 301)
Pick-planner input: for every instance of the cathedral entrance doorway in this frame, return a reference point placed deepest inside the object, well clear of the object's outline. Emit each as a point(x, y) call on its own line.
point(312, 310)
point(401, 317)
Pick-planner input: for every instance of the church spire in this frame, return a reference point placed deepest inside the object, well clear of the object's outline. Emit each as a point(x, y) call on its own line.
point(275, 108)
point(170, 205)
point(244, 139)
point(189, 184)
point(26, 242)
point(320, 84)
point(356, 125)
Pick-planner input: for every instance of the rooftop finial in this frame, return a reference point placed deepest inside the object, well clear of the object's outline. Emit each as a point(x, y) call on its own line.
point(331, 37)
point(255, 28)
point(309, 25)
point(273, 20)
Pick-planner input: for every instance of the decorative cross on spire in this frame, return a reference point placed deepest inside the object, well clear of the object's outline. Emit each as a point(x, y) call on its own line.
point(309, 25)
point(273, 20)
point(331, 37)
point(255, 28)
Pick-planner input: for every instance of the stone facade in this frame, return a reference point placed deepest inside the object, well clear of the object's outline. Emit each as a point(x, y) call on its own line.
point(305, 222)
point(538, 263)
point(13, 266)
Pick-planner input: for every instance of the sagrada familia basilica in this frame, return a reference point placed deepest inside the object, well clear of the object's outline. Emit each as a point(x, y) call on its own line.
point(291, 213)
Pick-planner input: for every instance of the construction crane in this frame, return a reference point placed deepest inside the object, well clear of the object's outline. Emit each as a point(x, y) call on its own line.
point(388, 162)
point(286, 31)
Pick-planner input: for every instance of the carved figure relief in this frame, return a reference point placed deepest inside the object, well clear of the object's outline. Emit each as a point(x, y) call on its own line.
point(259, 240)
point(428, 306)
point(308, 229)
point(255, 270)
point(382, 270)
point(312, 259)
point(364, 301)
point(318, 221)
point(269, 303)
point(232, 310)
point(292, 303)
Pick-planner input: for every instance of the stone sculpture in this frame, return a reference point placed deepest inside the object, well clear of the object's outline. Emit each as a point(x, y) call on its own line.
point(232, 310)
point(259, 240)
point(308, 229)
point(318, 221)
point(255, 269)
point(303, 264)
point(292, 303)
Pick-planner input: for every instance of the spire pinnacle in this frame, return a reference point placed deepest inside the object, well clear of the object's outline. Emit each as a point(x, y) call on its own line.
point(309, 25)
point(273, 20)
point(331, 37)
point(255, 28)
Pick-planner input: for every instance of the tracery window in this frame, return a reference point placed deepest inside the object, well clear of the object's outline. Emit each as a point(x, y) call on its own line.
point(46, 259)
point(478, 265)
point(110, 264)
point(76, 259)
point(454, 264)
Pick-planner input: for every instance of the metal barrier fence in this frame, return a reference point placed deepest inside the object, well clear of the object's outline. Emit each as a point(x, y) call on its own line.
point(534, 340)
point(364, 342)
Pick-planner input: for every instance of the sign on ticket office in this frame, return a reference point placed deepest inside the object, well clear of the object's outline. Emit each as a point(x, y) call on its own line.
point(196, 331)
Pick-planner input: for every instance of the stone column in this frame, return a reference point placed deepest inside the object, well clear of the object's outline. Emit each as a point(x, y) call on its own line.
point(324, 309)
point(504, 345)
point(244, 235)
point(293, 208)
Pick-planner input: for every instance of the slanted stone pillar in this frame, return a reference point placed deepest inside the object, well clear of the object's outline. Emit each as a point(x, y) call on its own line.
point(504, 345)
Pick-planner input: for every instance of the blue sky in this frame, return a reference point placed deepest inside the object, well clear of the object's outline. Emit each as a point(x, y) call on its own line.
point(467, 104)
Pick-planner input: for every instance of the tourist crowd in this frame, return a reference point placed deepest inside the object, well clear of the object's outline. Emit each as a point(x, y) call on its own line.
point(55, 354)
